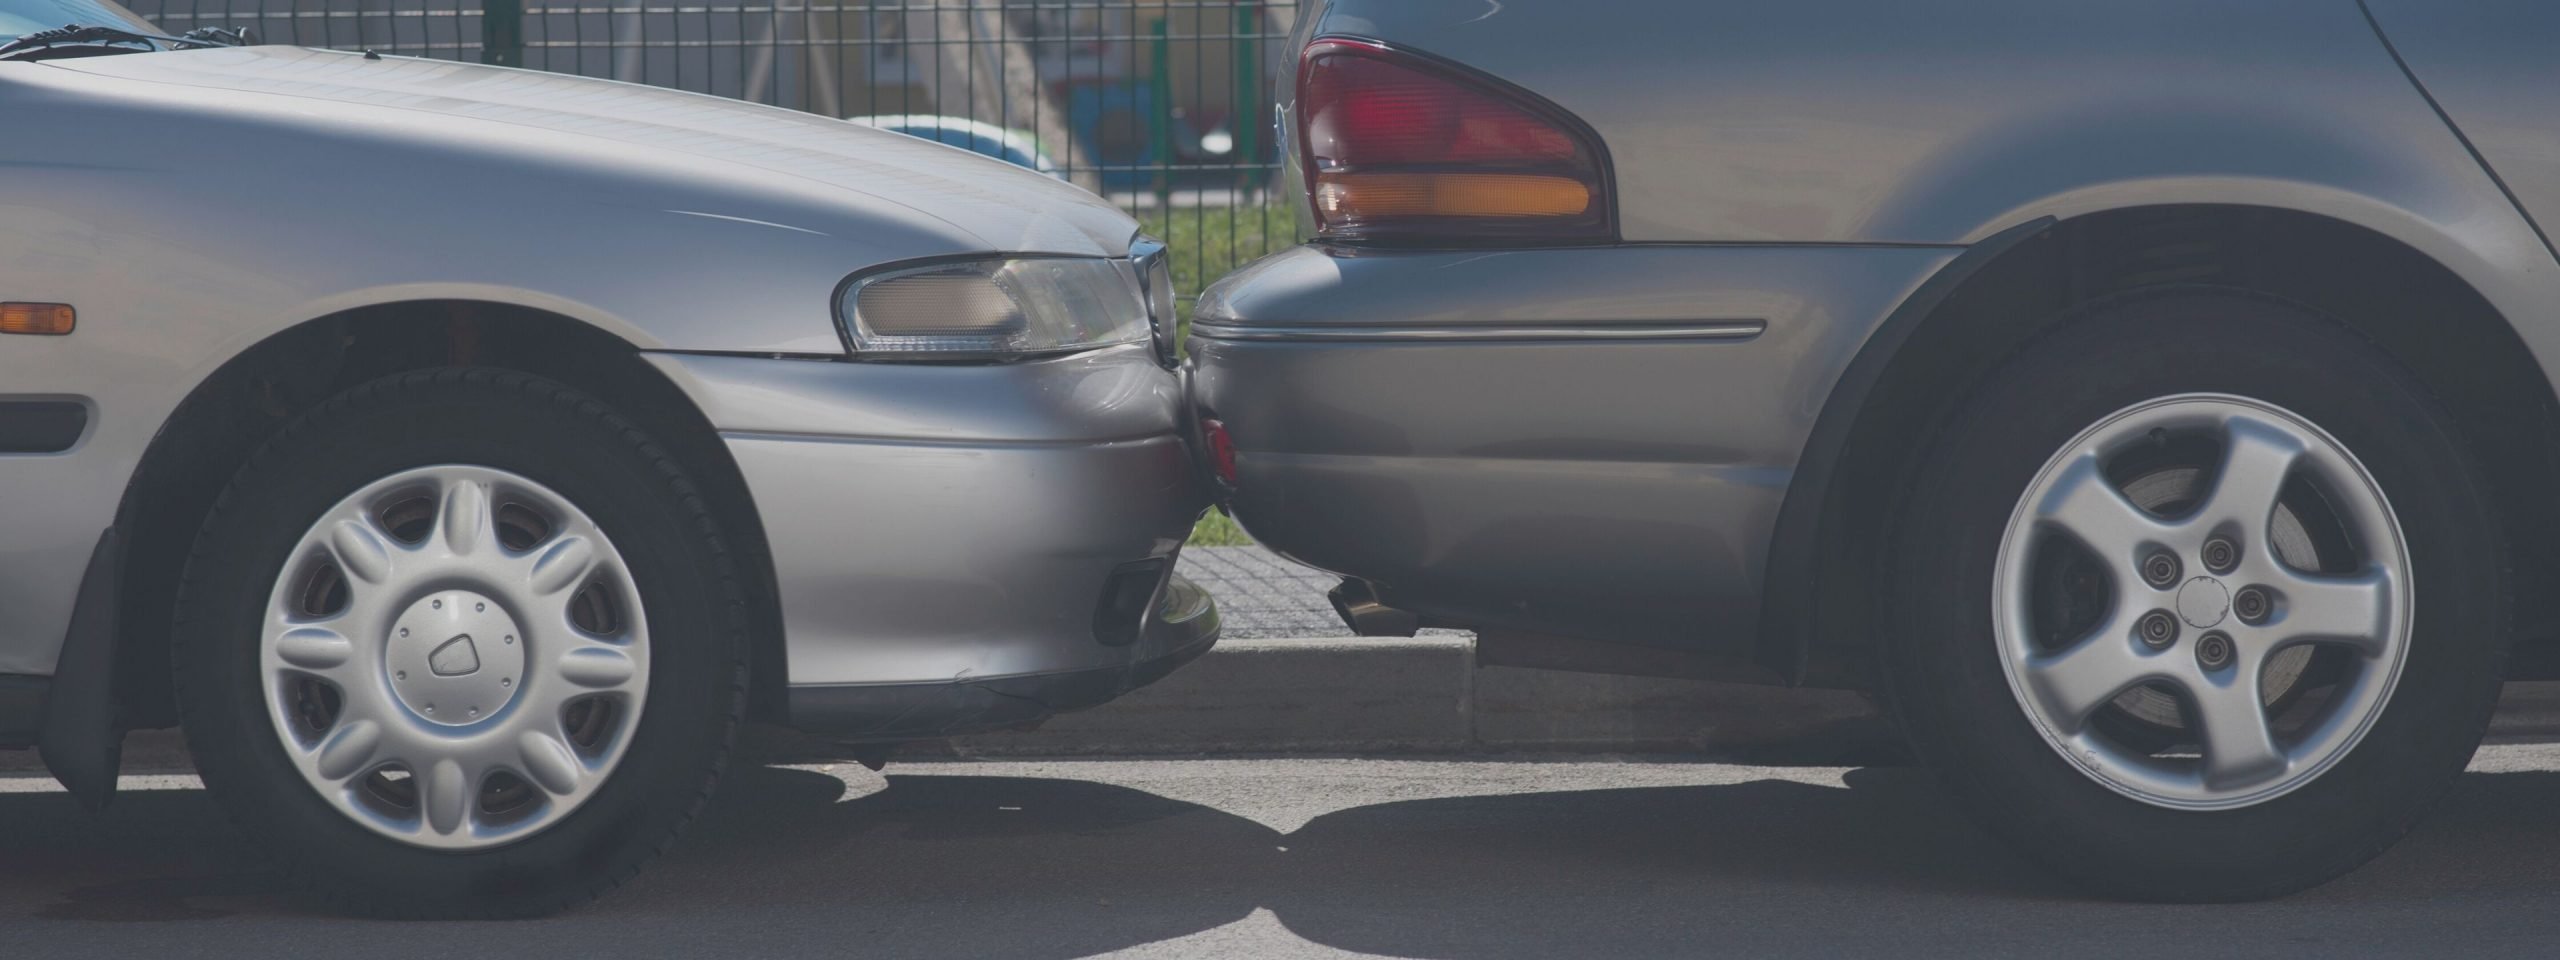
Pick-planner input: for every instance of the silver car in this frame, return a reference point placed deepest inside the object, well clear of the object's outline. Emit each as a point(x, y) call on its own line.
point(460, 454)
point(2151, 401)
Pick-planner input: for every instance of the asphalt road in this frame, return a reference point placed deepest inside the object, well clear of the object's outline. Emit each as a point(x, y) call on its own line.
point(1303, 858)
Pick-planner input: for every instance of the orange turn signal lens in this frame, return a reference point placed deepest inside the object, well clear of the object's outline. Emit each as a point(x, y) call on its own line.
point(1370, 195)
point(39, 319)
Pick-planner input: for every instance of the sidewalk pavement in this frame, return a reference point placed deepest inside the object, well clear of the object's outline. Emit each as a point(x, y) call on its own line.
point(1263, 596)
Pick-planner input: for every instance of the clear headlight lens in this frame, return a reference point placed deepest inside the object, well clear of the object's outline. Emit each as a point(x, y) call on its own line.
point(997, 308)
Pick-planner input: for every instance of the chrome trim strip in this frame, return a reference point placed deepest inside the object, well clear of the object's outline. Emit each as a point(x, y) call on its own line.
point(1319, 333)
point(970, 443)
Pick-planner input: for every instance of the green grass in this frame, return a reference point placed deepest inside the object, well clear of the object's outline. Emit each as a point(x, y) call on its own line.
point(1203, 244)
point(1216, 529)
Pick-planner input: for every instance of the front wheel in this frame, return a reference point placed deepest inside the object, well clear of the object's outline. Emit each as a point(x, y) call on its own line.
point(2200, 600)
point(460, 643)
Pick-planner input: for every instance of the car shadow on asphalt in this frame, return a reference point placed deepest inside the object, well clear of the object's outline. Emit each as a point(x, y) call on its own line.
point(796, 862)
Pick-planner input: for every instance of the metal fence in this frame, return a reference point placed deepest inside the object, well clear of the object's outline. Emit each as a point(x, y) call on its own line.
point(1161, 106)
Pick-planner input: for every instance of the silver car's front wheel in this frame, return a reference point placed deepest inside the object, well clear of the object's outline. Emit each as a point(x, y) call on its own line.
point(460, 643)
point(2197, 596)
point(455, 656)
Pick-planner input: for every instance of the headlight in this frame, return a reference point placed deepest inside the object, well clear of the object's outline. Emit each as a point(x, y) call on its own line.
point(998, 308)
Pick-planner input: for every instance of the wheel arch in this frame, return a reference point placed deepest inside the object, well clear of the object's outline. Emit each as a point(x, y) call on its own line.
point(234, 410)
point(2005, 289)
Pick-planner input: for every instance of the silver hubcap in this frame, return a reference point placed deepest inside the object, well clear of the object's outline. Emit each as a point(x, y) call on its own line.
point(455, 657)
point(2214, 649)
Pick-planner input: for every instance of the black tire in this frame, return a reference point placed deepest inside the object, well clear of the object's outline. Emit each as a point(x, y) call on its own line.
point(569, 442)
point(1945, 674)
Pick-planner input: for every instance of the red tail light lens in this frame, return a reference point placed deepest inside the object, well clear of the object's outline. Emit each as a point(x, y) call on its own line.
point(1398, 147)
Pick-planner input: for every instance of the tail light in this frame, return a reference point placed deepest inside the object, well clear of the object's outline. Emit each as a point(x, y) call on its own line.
point(1399, 147)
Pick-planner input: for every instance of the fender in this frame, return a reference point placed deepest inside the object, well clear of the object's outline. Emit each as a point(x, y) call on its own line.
point(1789, 589)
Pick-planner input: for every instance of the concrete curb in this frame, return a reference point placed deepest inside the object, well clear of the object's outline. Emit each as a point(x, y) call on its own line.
point(1419, 696)
point(1426, 695)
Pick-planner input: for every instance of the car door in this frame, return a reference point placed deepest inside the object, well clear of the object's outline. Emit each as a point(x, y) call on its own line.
point(2490, 67)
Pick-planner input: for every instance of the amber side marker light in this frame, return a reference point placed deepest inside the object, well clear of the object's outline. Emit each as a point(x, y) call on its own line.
point(37, 319)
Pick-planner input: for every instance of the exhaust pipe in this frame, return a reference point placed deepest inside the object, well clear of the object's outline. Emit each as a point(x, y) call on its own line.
point(1358, 604)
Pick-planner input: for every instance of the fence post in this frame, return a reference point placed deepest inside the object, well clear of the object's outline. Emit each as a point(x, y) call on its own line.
point(1160, 126)
point(502, 32)
point(1248, 100)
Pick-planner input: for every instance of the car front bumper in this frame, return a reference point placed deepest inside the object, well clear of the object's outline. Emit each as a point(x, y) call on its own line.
point(958, 548)
point(1584, 442)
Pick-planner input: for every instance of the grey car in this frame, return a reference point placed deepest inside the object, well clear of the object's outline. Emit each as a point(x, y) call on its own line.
point(461, 454)
point(2151, 402)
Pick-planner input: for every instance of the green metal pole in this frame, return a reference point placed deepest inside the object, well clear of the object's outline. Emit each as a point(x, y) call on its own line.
point(1160, 130)
point(502, 32)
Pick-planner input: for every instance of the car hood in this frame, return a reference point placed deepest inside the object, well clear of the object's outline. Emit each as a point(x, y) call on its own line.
point(1007, 207)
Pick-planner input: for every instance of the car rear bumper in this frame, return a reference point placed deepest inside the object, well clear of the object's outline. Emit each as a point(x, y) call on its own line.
point(944, 534)
point(1584, 442)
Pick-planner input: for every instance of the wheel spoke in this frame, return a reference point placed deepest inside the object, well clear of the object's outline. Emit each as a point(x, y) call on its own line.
point(549, 763)
point(445, 792)
point(2239, 746)
point(593, 668)
point(2256, 458)
point(597, 668)
point(2074, 683)
point(361, 552)
point(2088, 506)
point(464, 523)
point(315, 649)
point(348, 751)
point(2352, 611)
point(563, 565)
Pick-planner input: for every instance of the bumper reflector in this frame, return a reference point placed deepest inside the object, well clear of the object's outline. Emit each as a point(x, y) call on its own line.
point(1221, 450)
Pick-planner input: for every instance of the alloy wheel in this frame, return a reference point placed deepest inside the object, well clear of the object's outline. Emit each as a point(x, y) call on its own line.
point(2213, 649)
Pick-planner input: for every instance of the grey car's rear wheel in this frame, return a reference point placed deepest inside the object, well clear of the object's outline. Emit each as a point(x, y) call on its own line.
point(460, 643)
point(2201, 600)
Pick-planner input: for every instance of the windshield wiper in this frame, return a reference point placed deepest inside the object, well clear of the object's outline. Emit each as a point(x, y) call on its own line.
point(85, 36)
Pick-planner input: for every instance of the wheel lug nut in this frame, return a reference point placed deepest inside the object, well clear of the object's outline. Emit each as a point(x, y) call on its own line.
point(404, 631)
point(438, 604)
point(2158, 629)
point(2160, 569)
point(2252, 604)
point(2220, 555)
point(479, 608)
point(2213, 650)
point(400, 675)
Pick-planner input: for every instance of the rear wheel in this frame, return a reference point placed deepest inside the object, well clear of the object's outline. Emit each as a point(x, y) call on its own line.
point(460, 643)
point(2201, 600)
